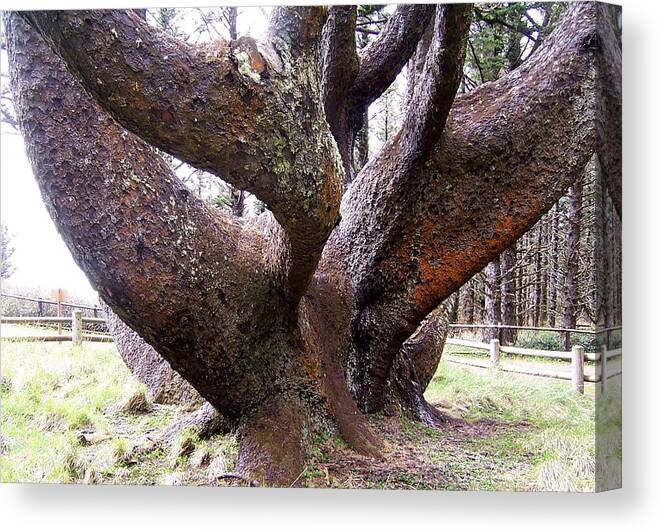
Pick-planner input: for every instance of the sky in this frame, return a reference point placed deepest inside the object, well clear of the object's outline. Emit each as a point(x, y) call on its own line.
point(41, 258)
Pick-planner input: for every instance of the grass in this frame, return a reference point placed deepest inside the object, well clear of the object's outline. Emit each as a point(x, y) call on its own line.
point(76, 415)
point(556, 427)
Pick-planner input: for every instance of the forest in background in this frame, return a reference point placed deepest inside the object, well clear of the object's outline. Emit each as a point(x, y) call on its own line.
point(563, 272)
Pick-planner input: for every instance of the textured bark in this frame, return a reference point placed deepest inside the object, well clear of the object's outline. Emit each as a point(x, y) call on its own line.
point(383, 59)
point(402, 266)
point(351, 82)
point(206, 421)
point(291, 323)
point(340, 66)
point(570, 283)
point(252, 115)
point(492, 299)
point(164, 383)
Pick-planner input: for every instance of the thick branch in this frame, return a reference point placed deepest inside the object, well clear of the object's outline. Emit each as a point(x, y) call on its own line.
point(385, 57)
point(182, 275)
point(509, 150)
point(439, 80)
point(609, 114)
point(250, 114)
point(339, 64)
point(165, 384)
point(296, 29)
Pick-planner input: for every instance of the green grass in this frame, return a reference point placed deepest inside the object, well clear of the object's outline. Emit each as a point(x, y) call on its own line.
point(556, 426)
point(77, 415)
point(64, 419)
point(53, 391)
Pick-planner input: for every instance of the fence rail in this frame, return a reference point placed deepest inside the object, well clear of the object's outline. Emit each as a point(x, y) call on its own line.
point(76, 321)
point(41, 301)
point(565, 333)
point(575, 372)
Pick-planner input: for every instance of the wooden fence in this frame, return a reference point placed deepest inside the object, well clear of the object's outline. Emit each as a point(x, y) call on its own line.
point(59, 303)
point(564, 333)
point(76, 323)
point(576, 356)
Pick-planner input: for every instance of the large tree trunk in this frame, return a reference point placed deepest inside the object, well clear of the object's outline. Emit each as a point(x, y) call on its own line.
point(164, 383)
point(292, 323)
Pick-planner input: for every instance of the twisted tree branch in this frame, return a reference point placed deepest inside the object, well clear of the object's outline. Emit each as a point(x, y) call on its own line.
point(250, 113)
point(144, 241)
point(488, 178)
point(385, 57)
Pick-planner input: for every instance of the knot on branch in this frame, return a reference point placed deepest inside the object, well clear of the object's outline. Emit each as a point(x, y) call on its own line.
point(592, 42)
point(248, 59)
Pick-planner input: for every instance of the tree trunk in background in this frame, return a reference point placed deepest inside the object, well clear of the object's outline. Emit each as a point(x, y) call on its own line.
point(536, 289)
point(478, 309)
point(553, 268)
point(507, 298)
point(467, 302)
point(544, 270)
point(237, 201)
point(606, 268)
point(362, 145)
point(570, 287)
point(492, 299)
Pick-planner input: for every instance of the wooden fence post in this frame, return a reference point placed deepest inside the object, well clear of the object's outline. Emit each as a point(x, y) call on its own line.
point(77, 327)
point(58, 300)
point(604, 368)
point(494, 352)
point(608, 339)
point(577, 370)
point(567, 341)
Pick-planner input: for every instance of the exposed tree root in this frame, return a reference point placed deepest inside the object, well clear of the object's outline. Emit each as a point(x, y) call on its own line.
point(251, 483)
point(206, 421)
point(407, 392)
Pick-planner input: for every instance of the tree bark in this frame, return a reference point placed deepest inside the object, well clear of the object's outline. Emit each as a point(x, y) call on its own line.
point(292, 323)
point(164, 383)
point(570, 288)
point(491, 299)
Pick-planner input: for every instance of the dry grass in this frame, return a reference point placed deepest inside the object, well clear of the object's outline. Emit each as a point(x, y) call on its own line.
point(136, 401)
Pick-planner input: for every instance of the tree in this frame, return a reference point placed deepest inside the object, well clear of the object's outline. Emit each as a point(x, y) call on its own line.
point(6, 253)
point(293, 322)
point(570, 287)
